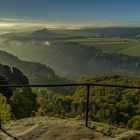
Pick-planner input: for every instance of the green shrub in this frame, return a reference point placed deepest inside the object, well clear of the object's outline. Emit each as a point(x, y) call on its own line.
point(135, 122)
point(5, 110)
point(40, 111)
point(23, 103)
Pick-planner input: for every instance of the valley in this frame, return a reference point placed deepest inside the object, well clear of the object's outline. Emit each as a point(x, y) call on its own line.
point(77, 55)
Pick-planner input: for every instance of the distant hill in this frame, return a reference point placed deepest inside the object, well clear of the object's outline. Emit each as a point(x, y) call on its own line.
point(114, 31)
point(86, 61)
point(102, 32)
point(42, 34)
point(37, 34)
point(132, 32)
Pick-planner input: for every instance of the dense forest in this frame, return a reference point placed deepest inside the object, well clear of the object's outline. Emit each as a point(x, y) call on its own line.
point(115, 106)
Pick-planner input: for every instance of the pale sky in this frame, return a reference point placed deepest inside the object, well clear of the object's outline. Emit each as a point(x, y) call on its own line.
point(23, 14)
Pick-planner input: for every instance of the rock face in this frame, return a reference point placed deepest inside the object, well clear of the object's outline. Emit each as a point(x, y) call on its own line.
point(130, 135)
point(53, 128)
point(50, 128)
point(18, 77)
point(10, 76)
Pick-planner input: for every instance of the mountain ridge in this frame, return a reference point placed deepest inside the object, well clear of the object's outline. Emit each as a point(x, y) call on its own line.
point(30, 68)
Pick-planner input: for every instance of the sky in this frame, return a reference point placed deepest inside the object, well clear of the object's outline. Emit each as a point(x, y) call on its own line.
point(68, 13)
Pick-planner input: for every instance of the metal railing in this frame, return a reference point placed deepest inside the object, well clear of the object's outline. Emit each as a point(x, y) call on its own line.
point(87, 85)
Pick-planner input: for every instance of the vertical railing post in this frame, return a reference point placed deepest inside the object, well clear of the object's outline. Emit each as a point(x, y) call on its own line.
point(87, 104)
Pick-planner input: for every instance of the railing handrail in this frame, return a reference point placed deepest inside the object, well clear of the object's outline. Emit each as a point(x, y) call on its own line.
point(76, 84)
point(87, 85)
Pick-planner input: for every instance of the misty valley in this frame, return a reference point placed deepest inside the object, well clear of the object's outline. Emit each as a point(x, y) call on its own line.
point(108, 55)
point(78, 52)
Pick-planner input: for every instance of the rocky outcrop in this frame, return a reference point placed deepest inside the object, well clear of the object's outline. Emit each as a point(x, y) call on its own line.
point(10, 76)
point(130, 135)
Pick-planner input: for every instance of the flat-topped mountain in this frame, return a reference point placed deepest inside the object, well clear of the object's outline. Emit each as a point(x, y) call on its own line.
point(42, 34)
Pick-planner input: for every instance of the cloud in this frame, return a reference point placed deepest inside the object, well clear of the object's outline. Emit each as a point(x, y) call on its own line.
point(23, 24)
point(11, 20)
point(6, 25)
point(31, 25)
